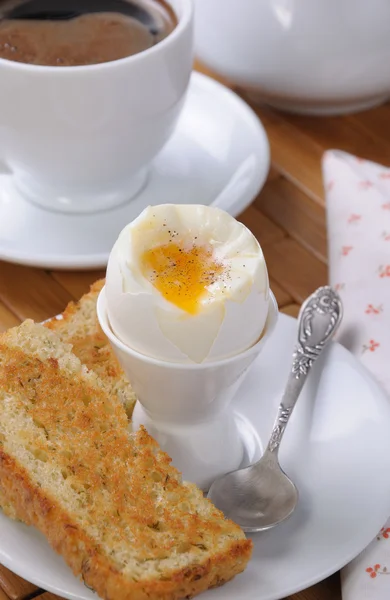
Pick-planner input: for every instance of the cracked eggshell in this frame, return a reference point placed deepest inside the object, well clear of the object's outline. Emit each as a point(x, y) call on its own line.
point(146, 322)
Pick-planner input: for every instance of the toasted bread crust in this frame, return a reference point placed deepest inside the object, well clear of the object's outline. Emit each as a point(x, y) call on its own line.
point(80, 327)
point(80, 552)
point(113, 491)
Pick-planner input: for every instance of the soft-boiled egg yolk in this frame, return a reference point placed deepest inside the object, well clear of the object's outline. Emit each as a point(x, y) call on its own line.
point(187, 284)
point(182, 275)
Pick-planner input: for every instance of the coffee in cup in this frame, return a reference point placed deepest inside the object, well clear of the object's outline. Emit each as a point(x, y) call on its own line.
point(81, 32)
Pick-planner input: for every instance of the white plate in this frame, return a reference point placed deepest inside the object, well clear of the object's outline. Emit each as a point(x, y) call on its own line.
point(337, 450)
point(219, 148)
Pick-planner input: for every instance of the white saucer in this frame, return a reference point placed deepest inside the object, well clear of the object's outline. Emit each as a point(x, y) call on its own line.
point(337, 450)
point(219, 147)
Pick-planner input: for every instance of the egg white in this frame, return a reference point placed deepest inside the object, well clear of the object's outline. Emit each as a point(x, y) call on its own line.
point(231, 316)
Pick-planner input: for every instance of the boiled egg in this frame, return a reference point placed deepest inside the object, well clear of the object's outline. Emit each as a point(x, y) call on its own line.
point(187, 284)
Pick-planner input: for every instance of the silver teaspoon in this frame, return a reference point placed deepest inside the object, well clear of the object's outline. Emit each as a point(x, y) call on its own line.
point(261, 495)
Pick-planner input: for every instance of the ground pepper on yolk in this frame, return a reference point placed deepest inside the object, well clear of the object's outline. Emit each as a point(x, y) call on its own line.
point(181, 274)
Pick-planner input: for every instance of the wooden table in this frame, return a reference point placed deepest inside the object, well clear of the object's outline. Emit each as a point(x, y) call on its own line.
point(288, 218)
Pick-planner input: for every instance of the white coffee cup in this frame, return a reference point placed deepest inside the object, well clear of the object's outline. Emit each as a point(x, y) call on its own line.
point(80, 139)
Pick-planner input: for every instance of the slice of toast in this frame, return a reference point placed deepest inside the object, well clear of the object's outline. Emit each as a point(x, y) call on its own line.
point(107, 500)
point(80, 327)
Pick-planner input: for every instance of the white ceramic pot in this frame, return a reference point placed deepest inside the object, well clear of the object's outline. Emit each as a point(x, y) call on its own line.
point(305, 56)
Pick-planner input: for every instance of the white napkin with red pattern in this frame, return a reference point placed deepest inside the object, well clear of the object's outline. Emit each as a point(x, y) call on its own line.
point(358, 214)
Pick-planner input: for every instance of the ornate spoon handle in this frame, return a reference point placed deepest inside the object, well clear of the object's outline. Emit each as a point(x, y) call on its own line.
point(318, 320)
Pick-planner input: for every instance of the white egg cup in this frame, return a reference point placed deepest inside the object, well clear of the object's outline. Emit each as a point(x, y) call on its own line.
point(185, 407)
